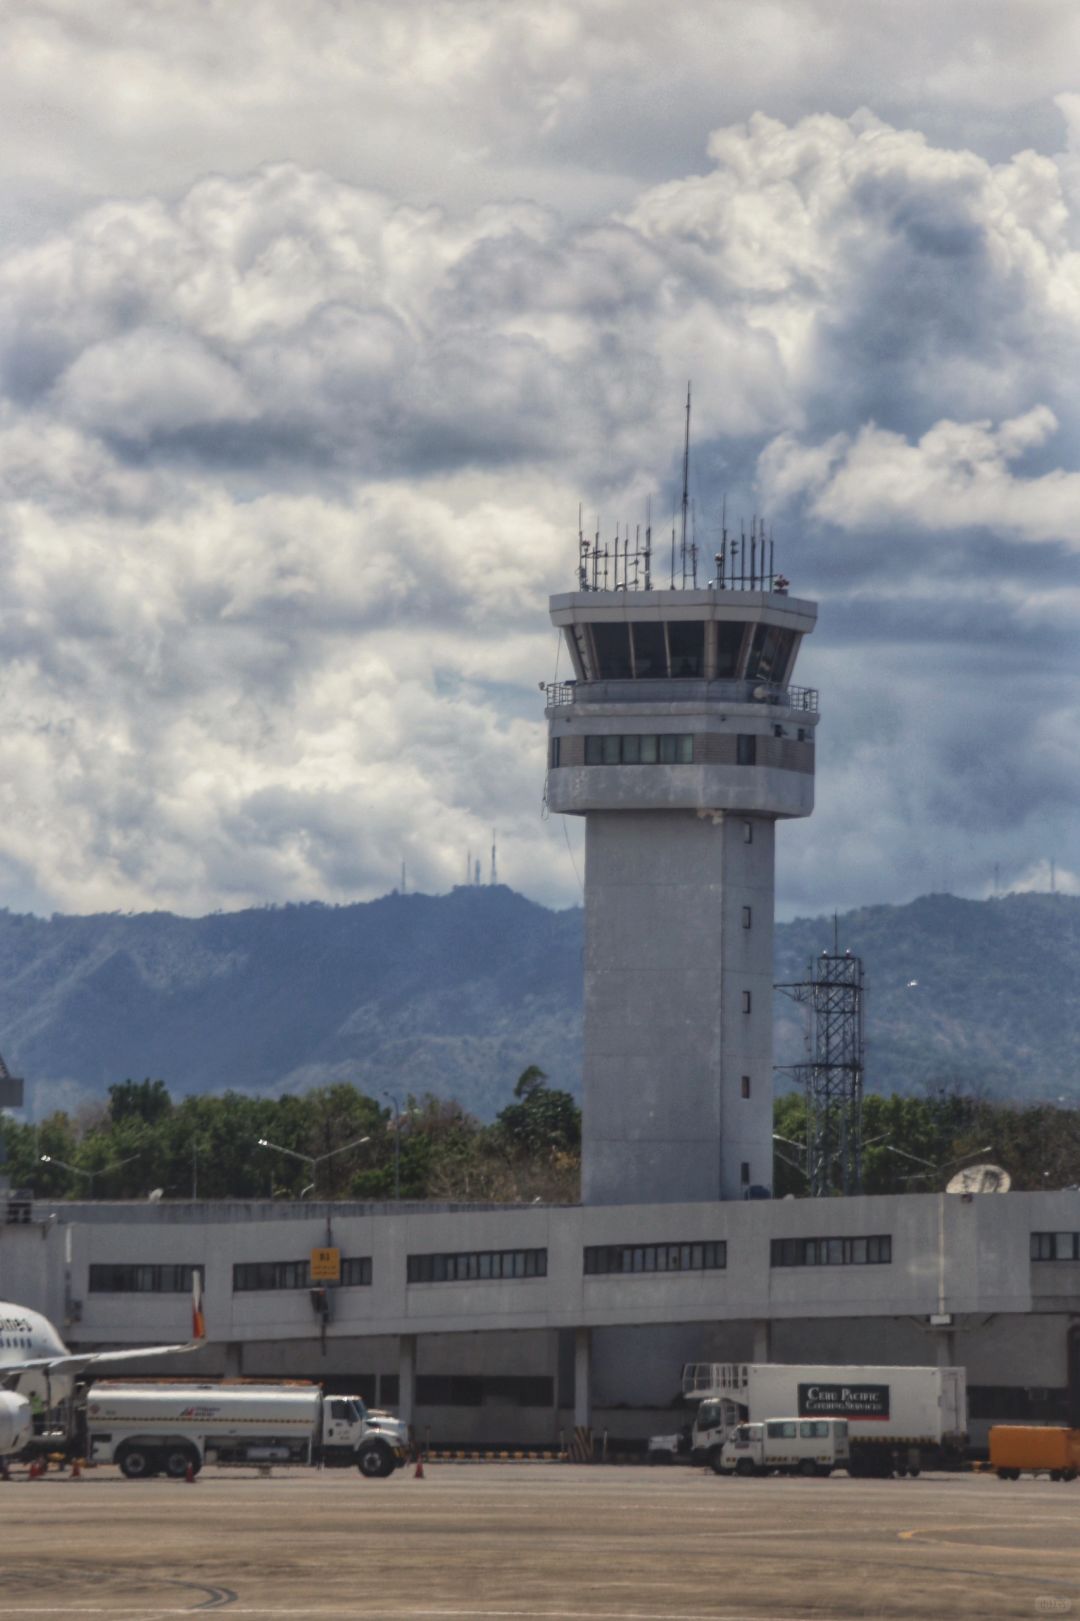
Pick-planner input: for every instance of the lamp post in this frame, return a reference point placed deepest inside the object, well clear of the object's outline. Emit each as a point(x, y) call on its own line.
point(930, 1166)
point(79, 1170)
point(314, 1160)
point(397, 1143)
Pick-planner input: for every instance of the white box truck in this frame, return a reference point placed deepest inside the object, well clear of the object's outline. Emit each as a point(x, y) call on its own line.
point(161, 1428)
point(901, 1420)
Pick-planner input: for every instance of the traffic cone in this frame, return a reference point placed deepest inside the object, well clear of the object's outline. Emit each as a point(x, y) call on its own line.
point(76, 1468)
point(418, 1472)
point(189, 1473)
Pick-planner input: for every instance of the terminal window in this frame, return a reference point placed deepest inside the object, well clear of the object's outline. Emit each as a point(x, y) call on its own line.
point(250, 1276)
point(635, 748)
point(134, 1279)
point(607, 1258)
point(1055, 1246)
point(477, 1266)
point(875, 1251)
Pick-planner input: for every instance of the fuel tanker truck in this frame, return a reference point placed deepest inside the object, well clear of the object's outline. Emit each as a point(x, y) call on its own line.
point(163, 1428)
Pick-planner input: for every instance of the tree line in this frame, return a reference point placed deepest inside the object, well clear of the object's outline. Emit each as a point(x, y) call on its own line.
point(336, 1142)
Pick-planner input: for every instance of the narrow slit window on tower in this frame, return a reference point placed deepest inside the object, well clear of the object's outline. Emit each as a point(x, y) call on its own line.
point(746, 1086)
point(744, 1173)
point(748, 832)
point(746, 1000)
point(555, 741)
point(747, 917)
point(746, 748)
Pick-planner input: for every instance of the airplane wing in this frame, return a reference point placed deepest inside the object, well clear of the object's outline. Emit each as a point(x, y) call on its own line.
point(75, 1361)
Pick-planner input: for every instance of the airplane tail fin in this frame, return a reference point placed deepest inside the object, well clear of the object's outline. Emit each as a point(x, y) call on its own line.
point(198, 1320)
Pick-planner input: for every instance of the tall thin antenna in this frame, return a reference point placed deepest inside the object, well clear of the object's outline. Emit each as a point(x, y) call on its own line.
point(468, 866)
point(648, 544)
point(403, 882)
point(494, 864)
point(685, 482)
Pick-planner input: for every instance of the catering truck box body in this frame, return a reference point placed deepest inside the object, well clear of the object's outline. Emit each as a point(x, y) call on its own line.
point(900, 1420)
point(163, 1428)
point(1017, 1449)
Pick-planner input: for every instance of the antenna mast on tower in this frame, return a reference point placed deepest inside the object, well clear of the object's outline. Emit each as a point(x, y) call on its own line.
point(685, 483)
point(494, 864)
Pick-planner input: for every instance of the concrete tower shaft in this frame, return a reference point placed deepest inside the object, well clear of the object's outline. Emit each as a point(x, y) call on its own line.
point(682, 742)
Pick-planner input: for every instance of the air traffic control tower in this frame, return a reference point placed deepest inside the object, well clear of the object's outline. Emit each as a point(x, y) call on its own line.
point(682, 743)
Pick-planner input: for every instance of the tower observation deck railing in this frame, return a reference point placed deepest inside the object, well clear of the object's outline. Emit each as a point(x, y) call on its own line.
point(564, 694)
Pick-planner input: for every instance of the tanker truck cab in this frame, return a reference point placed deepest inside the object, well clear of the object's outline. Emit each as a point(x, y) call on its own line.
point(788, 1446)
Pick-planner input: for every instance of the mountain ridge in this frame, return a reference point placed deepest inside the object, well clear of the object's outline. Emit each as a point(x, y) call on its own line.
point(456, 994)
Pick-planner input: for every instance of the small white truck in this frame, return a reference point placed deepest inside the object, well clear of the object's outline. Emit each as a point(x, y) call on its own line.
point(901, 1420)
point(163, 1428)
point(786, 1446)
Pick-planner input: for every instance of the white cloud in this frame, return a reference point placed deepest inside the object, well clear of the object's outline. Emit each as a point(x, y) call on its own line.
point(288, 464)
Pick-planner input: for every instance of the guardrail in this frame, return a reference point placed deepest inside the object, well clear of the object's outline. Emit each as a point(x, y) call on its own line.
point(564, 694)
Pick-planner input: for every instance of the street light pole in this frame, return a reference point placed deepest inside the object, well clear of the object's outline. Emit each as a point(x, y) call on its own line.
point(314, 1160)
point(80, 1170)
point(397, 1144)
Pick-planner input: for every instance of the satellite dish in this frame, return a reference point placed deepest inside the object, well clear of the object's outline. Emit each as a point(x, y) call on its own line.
point(156, 1196)
point(980, 1179)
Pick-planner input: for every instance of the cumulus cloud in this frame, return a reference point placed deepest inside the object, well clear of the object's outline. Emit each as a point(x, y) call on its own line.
point(289, 463)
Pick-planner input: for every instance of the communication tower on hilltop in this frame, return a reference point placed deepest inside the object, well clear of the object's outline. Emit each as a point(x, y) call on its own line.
point(682, 743)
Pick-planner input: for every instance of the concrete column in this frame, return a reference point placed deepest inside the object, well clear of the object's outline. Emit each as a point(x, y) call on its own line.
point(583, 1378)
point(407, 1379)
point(762, 1340)
point(946, 1348)
point(234, 1360)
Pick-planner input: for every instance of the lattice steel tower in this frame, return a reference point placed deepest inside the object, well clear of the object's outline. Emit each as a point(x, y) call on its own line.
point(832, 1079)
point(682, 743)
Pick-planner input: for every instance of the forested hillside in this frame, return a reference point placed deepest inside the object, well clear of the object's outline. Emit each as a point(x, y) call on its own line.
point(455, 995)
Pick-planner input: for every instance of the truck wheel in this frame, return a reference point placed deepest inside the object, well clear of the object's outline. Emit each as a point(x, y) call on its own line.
point(1055, 1474)
point(176, 1461)
point(808, 1468)
point(138, 1463)
point(375, 1462)
point(1069, 1474)
point(745, 1467)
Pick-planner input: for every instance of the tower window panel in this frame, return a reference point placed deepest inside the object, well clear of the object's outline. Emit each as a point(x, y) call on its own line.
point(631, 749)
point(746, 748)
point(769, 653)
point(650, 651)
point(611, 749)
point(648, 750)
point(684, 748)
point(554, 758)
point(687, 643)
point(612, 644)
point(594, 751)
point(728, 644)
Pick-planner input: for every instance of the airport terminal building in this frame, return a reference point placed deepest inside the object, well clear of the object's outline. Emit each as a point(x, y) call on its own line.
point(682, 742)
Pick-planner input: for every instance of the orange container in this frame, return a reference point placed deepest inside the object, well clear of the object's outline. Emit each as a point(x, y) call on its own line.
point(1041, 1447)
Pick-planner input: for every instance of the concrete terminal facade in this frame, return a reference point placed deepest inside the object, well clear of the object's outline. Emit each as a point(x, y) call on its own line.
point(519, 1358)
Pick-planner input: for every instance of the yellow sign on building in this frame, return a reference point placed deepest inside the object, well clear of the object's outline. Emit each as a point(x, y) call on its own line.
point(326, 1266)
